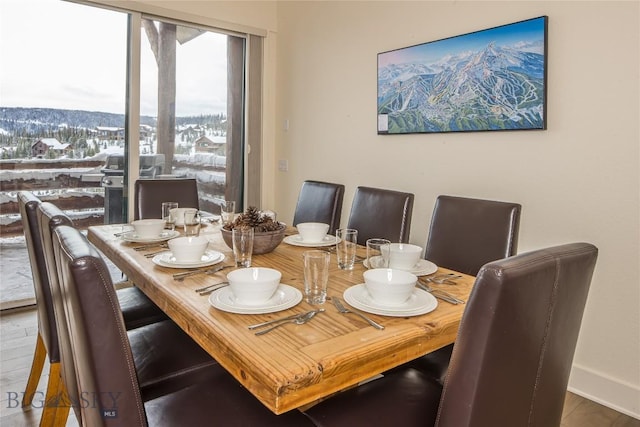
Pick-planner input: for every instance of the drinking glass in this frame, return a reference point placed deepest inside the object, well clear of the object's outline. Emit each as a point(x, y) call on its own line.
point(378, 253)
point(316, 275)
point(227, 212)
point(242, 245)
point(170, 221)
point(191, 222)
point(346, 245)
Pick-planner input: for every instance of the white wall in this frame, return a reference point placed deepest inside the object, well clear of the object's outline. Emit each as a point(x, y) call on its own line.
point(577, 181)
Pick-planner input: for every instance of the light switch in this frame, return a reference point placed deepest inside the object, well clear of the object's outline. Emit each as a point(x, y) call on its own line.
point(283, 165)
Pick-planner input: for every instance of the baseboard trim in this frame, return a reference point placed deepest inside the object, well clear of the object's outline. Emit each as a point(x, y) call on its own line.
point(620, 396)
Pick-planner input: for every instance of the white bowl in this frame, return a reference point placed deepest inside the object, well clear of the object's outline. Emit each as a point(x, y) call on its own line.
point(148, 228)
point(178, 215)
point(404, 256)
point(312, 232)
point(389, 287)
point(254, 285)
point(188, 249)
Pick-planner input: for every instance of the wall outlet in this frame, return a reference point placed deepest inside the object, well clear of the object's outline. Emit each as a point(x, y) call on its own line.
point(283, 165)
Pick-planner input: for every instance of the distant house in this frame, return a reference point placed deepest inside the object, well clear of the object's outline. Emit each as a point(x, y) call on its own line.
point(110, 133)
point(206, 145)
point(41, 146)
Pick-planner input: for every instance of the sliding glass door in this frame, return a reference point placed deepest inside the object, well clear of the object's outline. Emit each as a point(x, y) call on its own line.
point(186, 88)
point(91, 95)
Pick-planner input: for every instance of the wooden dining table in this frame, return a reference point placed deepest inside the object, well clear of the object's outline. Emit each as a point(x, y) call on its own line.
point(294, 365)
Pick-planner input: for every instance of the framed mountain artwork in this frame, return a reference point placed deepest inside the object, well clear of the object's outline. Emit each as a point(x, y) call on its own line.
point(489, 80)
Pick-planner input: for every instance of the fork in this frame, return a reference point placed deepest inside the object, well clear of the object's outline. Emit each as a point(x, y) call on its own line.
point(150, 245)
point(445, 296)
point(439, 280)
point(342, 309)
point(299, 320)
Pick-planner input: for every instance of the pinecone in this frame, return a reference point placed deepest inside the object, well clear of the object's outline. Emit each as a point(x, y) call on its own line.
point(252, 217)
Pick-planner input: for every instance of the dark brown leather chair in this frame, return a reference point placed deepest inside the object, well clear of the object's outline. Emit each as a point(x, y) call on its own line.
point(376, 212)
point(106, 368)
point(320, 202)
point(511, 360)
point(47, 339)
point(137, 309)
point(150, 193)
point(464, 235)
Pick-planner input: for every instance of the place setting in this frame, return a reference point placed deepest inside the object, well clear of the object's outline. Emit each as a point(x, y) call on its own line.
point(390, 292)
point(402, 256)
point(255, 290)
point(148, 231)
point(390, 283)
point(311, 234)
point(188, 252)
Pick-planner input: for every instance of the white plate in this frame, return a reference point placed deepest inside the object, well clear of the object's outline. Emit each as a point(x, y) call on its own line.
point(423, 267)
point(296, 240)
point(166, 259)
point(285, 297)
point(131, 236)
point(419, 303)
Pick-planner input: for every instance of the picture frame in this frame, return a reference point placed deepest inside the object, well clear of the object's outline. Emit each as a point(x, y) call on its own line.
point(488, 80)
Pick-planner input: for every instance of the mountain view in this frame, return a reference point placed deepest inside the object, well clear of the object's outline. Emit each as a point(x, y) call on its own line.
point(491, 89)
point(20, 127)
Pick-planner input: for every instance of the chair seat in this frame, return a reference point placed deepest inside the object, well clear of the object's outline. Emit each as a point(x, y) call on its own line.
point(412, 396)
point(137, 309)
point(220, 401)
point(166, 359)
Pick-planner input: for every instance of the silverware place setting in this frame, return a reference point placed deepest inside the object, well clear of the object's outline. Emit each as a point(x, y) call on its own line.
point(298, 319)
point(342, 309)
point(164, 245)
point(210, 270)
point(212, 288)
point(440, 294)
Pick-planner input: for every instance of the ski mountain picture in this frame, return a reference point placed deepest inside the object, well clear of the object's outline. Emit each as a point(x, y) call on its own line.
point(493, 79)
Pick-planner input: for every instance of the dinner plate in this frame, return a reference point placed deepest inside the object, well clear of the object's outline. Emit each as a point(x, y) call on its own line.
point(131, 236)
point(296, 240)
point(423, 267)
point(285, 297)
point(166, 259)
point(420, 302)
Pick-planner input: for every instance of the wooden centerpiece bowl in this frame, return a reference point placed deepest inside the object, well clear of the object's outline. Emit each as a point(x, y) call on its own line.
point(263, 241)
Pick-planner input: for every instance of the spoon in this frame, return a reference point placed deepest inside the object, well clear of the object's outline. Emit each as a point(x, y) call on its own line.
point(301, 320)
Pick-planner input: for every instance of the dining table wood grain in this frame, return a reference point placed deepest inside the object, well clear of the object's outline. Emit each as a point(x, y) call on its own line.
point(295, 365)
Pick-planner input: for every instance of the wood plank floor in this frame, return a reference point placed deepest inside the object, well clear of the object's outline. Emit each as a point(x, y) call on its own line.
point(18, 330)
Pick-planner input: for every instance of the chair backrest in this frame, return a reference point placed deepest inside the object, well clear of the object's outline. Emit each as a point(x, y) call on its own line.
point(467, 233)
point(513, 353)
point(150, 193)
point(101, 354)
point(320, 202)
point(51, 217)
point(376, 212)
point(28, 205)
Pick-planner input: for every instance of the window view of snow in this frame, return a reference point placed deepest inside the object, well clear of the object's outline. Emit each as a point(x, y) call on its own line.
point(62, 116)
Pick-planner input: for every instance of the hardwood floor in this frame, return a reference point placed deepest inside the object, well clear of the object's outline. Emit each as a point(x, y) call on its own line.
point(18, 330)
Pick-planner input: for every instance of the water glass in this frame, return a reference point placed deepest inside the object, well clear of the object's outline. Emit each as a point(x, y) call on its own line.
point(346, 245)
point(242, 245)
point(170, 221)
point(378, 253)
point(191, 222)
point(227, 212)
point(316, 275)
